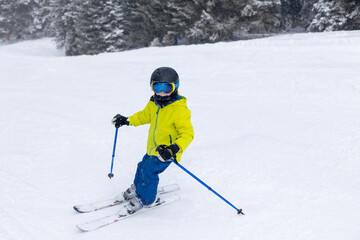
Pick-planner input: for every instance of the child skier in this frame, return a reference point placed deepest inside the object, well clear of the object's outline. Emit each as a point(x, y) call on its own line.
point(170, 134)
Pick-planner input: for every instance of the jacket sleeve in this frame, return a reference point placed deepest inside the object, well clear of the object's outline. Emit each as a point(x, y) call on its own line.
point(142, 117)
point(185, 129)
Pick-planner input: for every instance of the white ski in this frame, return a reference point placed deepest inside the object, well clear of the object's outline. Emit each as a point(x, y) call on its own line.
point(98, 205)
point(102, 222)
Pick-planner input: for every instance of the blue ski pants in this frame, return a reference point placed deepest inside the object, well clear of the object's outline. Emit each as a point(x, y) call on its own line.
point(147, 178)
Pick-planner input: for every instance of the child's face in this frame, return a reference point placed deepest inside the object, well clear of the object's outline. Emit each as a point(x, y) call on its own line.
point(162, 94)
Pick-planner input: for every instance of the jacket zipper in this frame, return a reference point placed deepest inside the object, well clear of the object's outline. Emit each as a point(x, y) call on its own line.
point(157, 116)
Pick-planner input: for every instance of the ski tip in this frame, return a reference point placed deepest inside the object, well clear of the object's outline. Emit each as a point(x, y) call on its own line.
point(81, 229)
point(77, 209)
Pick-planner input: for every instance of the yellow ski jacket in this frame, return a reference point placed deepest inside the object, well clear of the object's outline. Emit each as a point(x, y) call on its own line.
point(168, 125)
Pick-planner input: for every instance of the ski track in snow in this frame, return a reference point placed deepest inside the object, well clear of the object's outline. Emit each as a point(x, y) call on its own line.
point(277, 133)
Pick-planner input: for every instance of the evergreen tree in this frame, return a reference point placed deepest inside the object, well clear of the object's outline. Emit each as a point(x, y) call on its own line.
point(5, 18)
point(290, 12)
point(99, 26)
point(336, 15)
point(88, 27)
point(306, 14)
point(143, 22)
point(16, 18)
point(218, 21)
point(95, 26)
point(113, 36)
point(261, 17)
point(157, 23)
point(43, 18)
point(64, 15)
point(180, 15)
point(330, 16)
point(352, 8)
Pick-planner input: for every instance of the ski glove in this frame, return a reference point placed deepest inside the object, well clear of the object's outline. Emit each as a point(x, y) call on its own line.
point(167, 152)
point(119, 121)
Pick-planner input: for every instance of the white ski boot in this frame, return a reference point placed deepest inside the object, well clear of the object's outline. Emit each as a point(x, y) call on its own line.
point(134, 205)
point(127, 195)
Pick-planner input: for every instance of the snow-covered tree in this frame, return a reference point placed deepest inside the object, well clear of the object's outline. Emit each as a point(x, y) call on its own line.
point(217, 21)
point(113, 35)
point(145, 22)
point(42, 15)
point(290, 12)
point(88, 27)
point(24, 19)
point(353, 15)
point(261, 17)
point(5, 20)
point(180, 15)
point(65, 15)
point(336, 15)
point(137, 23)
point(330, 16)
point(94, 26)
point(16, 18)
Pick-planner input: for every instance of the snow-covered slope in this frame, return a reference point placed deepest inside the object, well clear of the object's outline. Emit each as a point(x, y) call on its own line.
point(277, 132)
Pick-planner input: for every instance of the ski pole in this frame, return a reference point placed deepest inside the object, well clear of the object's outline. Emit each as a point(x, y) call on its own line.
point(110, 175)
point(239, 211)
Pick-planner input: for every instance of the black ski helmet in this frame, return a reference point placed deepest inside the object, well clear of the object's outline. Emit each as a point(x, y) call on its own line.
point(164, 74)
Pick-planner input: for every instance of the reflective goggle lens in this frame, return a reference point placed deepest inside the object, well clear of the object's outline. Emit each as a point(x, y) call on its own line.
point(163, 87)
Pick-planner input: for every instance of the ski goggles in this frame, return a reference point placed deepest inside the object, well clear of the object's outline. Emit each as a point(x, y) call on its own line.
point(166, 88)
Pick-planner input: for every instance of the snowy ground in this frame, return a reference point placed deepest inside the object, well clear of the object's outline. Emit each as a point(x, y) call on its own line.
point(277, 132)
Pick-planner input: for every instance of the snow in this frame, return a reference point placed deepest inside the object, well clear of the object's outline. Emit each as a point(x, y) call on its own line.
point(277, 133)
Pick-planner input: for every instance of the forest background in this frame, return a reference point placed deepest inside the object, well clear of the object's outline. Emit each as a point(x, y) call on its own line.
point(96, 26)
